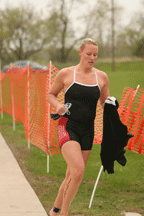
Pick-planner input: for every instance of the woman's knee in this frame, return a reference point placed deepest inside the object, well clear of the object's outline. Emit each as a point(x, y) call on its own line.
point(78, 173)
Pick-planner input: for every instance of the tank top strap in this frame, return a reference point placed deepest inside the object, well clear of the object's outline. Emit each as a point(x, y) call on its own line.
point(74, 74)
point(96, 77)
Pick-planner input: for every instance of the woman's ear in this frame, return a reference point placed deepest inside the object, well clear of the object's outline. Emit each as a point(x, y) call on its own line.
point(80, 53)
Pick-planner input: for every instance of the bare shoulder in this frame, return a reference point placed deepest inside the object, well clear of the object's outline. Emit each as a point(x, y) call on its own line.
point(65, 71)
point(102, 79)
point(65, 76)
point(102, 75)
point(60, 80)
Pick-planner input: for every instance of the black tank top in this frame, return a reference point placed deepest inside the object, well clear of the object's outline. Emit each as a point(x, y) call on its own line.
point(84, 101)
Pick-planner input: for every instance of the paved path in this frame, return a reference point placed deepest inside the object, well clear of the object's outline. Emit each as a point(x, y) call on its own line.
point(131, 214)
point(17, 198)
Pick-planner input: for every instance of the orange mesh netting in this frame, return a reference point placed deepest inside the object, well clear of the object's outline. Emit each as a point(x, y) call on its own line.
point(1, 75)
point(37, 107)
point(98, 124)
point(53, 137)
point(132, 114)
point(6, 87)
point(24, 97)
point(18, 90)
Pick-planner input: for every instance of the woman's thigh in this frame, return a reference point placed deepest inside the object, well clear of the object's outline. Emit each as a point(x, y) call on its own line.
point(73, 156)
point(85, 155)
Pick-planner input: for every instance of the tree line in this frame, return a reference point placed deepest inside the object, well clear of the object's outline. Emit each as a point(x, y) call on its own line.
point(25, 32)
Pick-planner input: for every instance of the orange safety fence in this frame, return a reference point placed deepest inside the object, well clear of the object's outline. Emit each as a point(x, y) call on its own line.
point(24, 97)
point(131, 112)
point(6, 86)
point(1, 75)
point(53, 136)
point(36, 115)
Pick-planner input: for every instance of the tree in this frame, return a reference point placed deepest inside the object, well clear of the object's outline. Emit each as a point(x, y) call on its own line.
point(134, 33)
point(126, 42)
point(139, 50)
point(97, 18)
point(74, 20)
point(60, 27)
point(22, 33)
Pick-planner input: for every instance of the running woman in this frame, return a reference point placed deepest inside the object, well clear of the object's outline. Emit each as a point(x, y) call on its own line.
point(83, 86)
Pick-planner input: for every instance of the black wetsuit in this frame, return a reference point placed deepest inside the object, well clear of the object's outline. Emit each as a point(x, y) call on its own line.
point(79, 125)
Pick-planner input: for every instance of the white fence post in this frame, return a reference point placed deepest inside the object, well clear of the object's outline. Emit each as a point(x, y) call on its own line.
point(96, 183)
point(1, 102)
point(13, 101)
point(49, 117)
point(28, 86)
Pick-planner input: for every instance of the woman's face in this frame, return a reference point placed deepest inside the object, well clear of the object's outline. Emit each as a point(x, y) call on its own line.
point(89, 55)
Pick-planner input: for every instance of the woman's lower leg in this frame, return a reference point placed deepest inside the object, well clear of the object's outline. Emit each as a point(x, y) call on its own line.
point(70, 191)
point(59, 199)
point(72, 154)
point(73, 178)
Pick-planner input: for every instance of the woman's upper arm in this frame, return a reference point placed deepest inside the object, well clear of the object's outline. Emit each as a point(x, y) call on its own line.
point(58, 84)
point(105, 89)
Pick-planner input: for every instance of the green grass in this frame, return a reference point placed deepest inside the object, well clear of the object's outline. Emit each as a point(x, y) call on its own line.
point(122, 191)
point(126, 74)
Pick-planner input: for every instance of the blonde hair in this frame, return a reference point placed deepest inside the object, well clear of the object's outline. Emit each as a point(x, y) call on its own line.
point(87, 41)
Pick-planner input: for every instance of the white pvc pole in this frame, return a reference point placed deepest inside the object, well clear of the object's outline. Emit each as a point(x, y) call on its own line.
point(28, 85)
point(13, 112)
point(47, 163)
point(96, 183)
point(1, 93)
point(49, 119)
point(136, 90)
point(12, 94)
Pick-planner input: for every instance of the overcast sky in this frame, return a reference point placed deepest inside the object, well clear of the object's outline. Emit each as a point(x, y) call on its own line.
point(130, 6)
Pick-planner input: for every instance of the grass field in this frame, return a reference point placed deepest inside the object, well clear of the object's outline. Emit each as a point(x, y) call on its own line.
point(121, 191)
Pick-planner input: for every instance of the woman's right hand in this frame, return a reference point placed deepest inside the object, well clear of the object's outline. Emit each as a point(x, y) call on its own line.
point(61, 109)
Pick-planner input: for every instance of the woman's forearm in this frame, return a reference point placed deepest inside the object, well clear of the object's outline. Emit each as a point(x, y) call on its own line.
point(52, 99)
